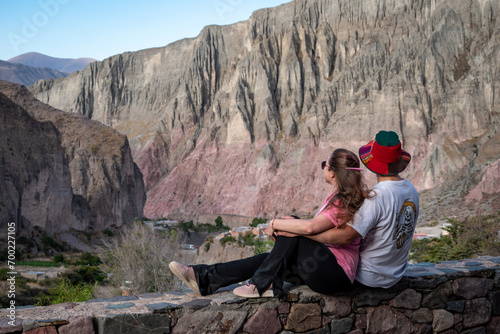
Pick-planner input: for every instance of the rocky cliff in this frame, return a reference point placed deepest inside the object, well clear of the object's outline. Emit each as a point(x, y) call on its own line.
point(62, 171)
point(236, 120)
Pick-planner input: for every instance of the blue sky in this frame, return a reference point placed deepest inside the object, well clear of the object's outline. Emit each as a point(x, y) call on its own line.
point(100, 29)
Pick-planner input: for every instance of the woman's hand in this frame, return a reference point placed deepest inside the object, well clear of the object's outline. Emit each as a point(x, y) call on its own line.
point(269, 231)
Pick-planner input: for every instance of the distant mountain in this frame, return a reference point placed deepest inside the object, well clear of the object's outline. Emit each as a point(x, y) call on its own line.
point(60, 64)
point(26, 75)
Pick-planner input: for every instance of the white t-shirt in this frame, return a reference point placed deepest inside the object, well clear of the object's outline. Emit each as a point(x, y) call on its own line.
point(386, 223)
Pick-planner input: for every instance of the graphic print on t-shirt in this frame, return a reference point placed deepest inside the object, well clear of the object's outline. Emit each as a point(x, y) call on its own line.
point(405, 224)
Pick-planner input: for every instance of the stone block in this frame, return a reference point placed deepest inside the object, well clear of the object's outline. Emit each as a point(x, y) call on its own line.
point(360, 322)
point(494, 299)
point(284, 308)
point(383, 319)
point(210, 322)
point(423, 315)
point(337, 305)
point(197, 304)
point(472, 287)
point(477, 312)
point(12, 327)
point(338, 326)
point(29, 324)
point(264, 321)
point(306, 295)
point(408, 299)
point(120, 306)
point(427, 283)
point(497, 279)
point(78, 325)
point(425, 329)
point(440, 295)
point(442, 320)
point(43, 330)
point(456, 306)
point(304, 317)
point(134, 324)
point(162, 307)
point(373, 296)
point(478, 330)
point(494, 326)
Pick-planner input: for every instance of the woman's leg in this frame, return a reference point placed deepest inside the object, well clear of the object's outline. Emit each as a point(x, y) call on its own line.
point(301, 260)
point(264, 269)
point(318, 268)
point(214, 276)
point(274, 266)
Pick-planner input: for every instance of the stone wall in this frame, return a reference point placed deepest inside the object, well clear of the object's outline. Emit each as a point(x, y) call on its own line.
point(448, 297)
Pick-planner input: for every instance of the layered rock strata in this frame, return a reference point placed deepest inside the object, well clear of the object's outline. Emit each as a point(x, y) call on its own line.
point(62, 171)
point(236, 120)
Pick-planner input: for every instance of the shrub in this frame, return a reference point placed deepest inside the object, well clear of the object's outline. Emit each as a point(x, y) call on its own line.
point(88, 259)
point(87, 274)
point(468, 238)
point(263, 246)
point(246, 240)
point(67, 292)
point(140, 255)
point(227, 239)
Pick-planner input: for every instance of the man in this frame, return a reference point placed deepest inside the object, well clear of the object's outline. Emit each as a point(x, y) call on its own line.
point(387, 220)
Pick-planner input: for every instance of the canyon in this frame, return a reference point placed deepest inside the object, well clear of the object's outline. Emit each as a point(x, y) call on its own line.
point(237, 119)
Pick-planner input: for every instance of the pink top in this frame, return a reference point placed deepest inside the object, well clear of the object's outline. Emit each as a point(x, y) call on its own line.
point(347, 255)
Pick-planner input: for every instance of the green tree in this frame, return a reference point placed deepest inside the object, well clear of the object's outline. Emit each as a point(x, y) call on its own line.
point(257, 221)
point(59, 258)
point(218, 222)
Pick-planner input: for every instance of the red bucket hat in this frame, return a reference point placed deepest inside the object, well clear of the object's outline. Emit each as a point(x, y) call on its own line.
point(384, 154)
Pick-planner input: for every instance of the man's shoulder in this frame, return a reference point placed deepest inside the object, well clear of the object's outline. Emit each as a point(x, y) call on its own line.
point(392, 185)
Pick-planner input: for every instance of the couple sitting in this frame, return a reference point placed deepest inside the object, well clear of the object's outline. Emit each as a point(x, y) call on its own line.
point(358, 234)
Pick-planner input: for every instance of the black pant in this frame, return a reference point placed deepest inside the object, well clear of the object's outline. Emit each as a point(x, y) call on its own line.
point(296, 260)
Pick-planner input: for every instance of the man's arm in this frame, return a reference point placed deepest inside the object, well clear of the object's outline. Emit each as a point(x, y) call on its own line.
point(336, 236)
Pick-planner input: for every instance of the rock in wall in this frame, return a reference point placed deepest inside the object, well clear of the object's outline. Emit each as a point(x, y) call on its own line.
point(236, 120)
point(85, 178)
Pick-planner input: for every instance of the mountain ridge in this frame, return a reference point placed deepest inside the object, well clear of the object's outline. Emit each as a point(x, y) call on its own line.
point(26, 75)
point(65, 65)
point(235, 120)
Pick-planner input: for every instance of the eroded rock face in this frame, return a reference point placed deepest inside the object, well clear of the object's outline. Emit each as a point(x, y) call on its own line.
point(35, 180)
point(236, 120)
point(76, 174)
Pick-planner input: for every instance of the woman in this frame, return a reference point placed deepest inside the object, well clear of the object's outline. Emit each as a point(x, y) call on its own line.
point(296, 258)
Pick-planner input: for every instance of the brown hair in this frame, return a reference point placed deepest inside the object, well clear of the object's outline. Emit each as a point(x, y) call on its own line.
point(352, 190)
